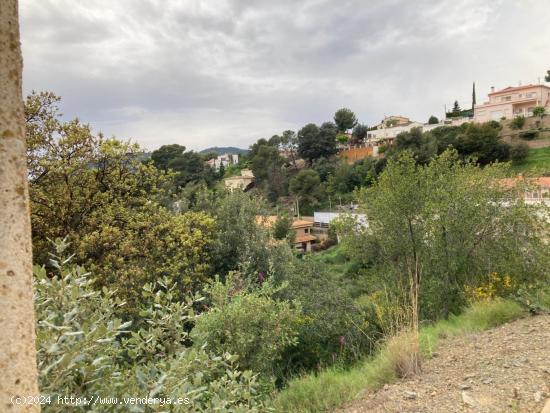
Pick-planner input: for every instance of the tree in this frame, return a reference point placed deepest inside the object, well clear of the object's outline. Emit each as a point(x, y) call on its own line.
point(17, 344)
point(518, 152)
point(539, 111)
point(456, 110)
point(165, 154)
point(114, 210)
point(317, 142)
point(435, 229)
point(473, 95)
point(289, 143)
point(306, 187)
point(547, 77)
point(433, 120)
point(359, 132)
point(345, 119)
point(482, 142)
point(189, 166)
point(283, 227)
point(249, 323)
point(518, 122)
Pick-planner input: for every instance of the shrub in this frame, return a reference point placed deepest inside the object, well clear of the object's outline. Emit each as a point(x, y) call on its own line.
point(83, 350)
point(518, 122)
point(518, 152)
point(332, 328)
point(529, 135)
point(252, 324)
point(403, 353)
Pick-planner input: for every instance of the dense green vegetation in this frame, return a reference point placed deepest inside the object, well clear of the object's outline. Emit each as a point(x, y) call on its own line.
point(335, 386)
point(186, 294)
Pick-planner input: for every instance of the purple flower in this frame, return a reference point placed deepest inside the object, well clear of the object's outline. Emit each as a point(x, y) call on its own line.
point(261, 277)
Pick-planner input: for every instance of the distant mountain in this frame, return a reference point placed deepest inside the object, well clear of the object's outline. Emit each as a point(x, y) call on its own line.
point(225, 149)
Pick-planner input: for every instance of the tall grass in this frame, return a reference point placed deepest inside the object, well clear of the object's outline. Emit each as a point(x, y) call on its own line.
point(398, 357)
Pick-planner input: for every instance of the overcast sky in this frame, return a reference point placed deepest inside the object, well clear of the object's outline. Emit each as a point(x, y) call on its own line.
point(217, 73)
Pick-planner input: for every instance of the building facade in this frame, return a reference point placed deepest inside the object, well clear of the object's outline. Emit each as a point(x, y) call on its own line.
point(224, 160)
point(511, 102)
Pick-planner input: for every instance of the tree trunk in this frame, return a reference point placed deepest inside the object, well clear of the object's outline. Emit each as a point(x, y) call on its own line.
point(18, 373)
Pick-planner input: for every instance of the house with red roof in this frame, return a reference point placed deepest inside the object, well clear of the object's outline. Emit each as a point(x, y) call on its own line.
point(511, 102)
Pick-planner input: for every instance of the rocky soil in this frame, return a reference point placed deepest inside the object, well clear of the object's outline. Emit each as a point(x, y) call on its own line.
point(506, 369)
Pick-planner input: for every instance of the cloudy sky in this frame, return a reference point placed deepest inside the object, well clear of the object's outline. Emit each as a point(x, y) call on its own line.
point(216, 73)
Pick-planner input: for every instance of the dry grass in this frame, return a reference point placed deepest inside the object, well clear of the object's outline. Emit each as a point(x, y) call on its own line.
point(403, 353)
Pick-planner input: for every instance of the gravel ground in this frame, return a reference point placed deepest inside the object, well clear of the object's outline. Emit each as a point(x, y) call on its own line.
point(506, 369)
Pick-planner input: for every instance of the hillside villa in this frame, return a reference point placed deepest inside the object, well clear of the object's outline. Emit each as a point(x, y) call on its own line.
point(511, 102)
point(224, 160)
point(303, 231)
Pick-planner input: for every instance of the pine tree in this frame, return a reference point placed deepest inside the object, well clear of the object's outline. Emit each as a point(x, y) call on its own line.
point(474, 96)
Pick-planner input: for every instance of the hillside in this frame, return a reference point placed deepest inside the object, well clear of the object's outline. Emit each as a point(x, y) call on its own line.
point(506, 369)
point(538, 160)
point(225, 149)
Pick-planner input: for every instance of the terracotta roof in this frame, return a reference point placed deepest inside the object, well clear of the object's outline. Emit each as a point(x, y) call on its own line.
point(304, 238)
point(299, 223)
point(543, 181)
point(512, 88)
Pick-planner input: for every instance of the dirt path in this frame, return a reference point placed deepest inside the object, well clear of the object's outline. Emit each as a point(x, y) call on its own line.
point(506, 369)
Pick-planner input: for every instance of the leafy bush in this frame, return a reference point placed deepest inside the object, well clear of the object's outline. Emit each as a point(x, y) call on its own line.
point(529, 135)
point(83, 350)
point(518, 122)
point(518, 152)
point(332, 328)
point(252, 324)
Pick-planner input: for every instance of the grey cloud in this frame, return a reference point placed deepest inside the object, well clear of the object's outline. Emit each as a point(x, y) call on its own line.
point(228, 72)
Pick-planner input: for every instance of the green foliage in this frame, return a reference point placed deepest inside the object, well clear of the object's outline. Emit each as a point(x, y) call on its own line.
point(241, 244)
point(334, 387)
point(519, 152)
point(448, 222)
point(84, 350)
point(359, 133)
point(518, 122)
point(249, 323)
point(424, 147)
point(342, 138)
point(188, 166)
point(305, 185)
point(165, 154)
point(317, 142)
point(332, 328)
point(433, 120)
point(529, 135)
point(111, 207)
point(266, 164)
point(479, 141)
point(282, 229)
point(539, 111)
point(345, 119)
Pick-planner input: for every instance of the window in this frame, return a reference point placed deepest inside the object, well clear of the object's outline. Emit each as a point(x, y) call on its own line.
point(529, 95)
point(506, 98)
point(306, 230)
point(496, 115)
